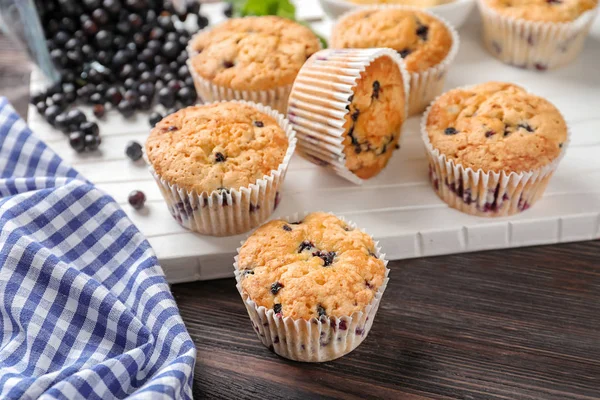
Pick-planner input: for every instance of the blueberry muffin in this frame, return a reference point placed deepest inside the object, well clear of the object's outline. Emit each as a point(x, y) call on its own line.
point(253, 58)
point(543, 10)
point(505, 141)
point(319, 271)
point(536, 34)
point(366, 92)
point(425, 42)
point(203, 156)
point(374, 120)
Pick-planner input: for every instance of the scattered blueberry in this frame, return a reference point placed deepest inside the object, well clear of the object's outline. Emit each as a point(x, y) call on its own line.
point(76, 117)
point(51, 113)
point(489, 134)
point(277, 308)
point(259, 124)
point(450, 131)
point(126, 108)
point(187, 96)
point(155, 118)
point(166, 97)
point(99, 110)
point(228, 10)
point(62, 122)
point(137, 199)
point(134, 151)
point(287, 228)
point(89, 128)
point(92, 142)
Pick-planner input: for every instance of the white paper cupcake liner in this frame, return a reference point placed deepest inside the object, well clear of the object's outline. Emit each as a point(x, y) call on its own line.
point(485, 194)
point(315, 340)
point(320, 99)
point(428, 84)
point(533, 44)
point(234, 211)
point(276, 98)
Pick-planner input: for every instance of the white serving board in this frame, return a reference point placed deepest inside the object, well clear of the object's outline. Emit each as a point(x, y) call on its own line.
point(398, 207)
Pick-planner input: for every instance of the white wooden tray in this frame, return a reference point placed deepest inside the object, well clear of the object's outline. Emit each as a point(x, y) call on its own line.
point(398, 207)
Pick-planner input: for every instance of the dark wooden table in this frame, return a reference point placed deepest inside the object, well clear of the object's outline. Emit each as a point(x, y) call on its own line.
point(509, 324)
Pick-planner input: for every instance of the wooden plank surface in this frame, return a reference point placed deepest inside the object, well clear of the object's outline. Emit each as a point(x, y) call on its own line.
point(512, 324)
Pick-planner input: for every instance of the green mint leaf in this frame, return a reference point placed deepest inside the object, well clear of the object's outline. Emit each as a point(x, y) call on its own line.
point(282, 8)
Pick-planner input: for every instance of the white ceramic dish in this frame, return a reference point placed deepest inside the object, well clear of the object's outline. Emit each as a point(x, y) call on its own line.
point(455, 12)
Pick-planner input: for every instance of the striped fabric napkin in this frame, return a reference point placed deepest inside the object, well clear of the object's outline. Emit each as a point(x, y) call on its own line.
point(85, 311)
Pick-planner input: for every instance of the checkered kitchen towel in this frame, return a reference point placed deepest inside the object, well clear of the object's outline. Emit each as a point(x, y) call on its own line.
point(85, 311)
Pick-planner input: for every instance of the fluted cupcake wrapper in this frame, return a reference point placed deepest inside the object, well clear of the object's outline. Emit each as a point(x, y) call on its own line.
point(315, 340)
point(428, 84)
point(485, 194)
point(276, 98)
point(233, 211)
point(533, 44)
point(319, 102)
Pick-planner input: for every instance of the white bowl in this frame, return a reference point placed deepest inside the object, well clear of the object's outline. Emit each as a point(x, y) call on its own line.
point(455, 12)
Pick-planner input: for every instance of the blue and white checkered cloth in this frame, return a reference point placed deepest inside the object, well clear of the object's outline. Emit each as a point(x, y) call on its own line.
point(85, 311)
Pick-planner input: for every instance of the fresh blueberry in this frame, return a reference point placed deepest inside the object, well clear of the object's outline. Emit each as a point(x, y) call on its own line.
point(126, 108)
point(155, 118)
point(137, 199)
point(92, 142)
point(89, 128)
point(134, 151)
point(99, 110)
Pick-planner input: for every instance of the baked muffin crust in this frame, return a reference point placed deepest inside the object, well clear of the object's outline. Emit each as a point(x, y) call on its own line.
point(317, 267)
point(496, 126)
point(216, 146)
point(543, 10)
point(375, 117)
point(253, 53)
point(421, 39)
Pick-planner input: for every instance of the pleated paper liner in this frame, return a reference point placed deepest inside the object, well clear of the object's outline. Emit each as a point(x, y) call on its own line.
point(276, 98)
point(315, 340)
point(319, 102)
point(533, 44)
point(233, 211)
point(485, 194)
point(428, 84)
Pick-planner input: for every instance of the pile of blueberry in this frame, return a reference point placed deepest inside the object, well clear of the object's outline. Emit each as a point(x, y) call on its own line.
point(123, 54)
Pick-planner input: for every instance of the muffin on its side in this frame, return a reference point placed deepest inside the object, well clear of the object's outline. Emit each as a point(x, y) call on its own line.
point(219, 166)
point(426, 43)
point(536, 34)
point(348, 107)
point(492, 147)
point(311, 286)
point(251, 58)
